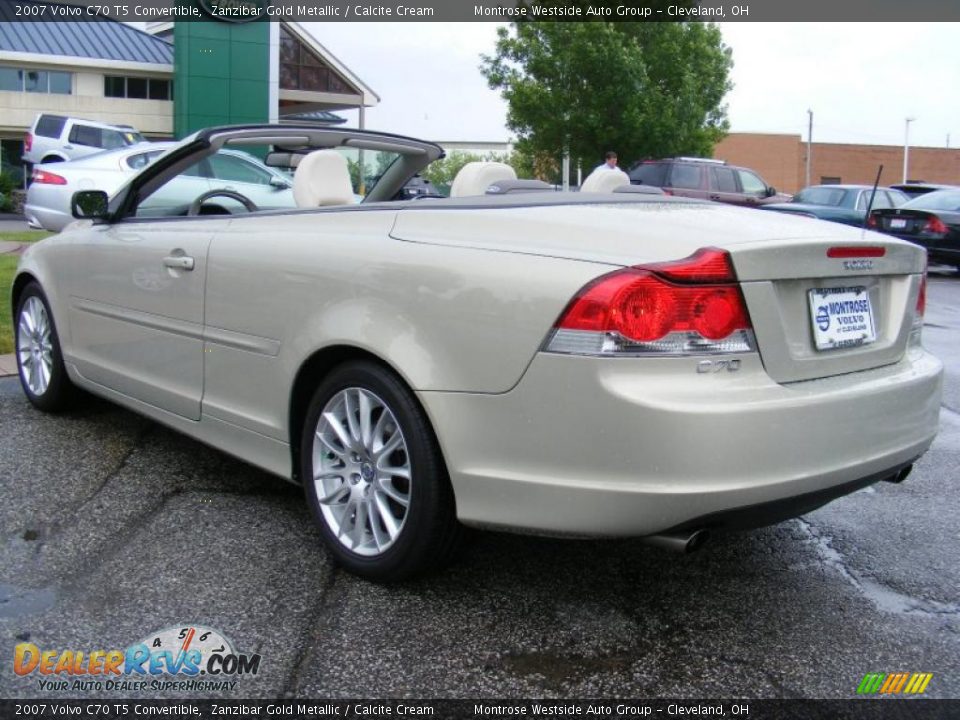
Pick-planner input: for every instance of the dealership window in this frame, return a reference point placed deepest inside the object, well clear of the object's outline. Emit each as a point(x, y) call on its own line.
point(36, 81)
point(829, 180)
point(301, 69)
point(137, 88)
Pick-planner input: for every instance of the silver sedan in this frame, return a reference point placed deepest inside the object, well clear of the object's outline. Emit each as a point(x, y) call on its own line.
point(572, 364)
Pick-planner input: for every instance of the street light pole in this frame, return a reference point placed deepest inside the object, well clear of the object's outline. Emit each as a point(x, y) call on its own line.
point(809, 145)
point(906, 146)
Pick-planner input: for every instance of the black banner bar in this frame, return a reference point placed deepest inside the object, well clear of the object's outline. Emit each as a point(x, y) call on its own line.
point(239, 11)
point(892, 708)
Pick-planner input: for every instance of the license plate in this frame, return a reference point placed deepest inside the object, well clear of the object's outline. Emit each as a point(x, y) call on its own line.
point(841, 317)
point(898, 223)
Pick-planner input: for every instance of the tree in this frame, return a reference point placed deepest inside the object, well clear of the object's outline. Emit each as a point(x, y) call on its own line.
point(442, 172)
point(644, 90)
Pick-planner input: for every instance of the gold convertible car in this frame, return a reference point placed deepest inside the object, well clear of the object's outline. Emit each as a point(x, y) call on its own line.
point(608, 362)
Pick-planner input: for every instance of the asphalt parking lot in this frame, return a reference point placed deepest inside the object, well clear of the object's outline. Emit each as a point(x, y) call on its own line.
point(114, 527)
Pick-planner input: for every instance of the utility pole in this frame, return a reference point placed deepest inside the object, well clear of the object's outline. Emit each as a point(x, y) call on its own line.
point(906, 146)
point(809, 145)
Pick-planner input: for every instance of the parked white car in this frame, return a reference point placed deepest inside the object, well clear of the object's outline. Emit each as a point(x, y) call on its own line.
point(48, 197)
point(573, 364)
point(57, 138)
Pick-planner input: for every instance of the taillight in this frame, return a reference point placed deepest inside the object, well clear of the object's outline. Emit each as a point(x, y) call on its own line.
point(28, 142)
point(916, 330)
point(689, 306)
point(667, 191)
point(935, 225)
point(856, 251)
point(922, 297)
point(872, 221)
point(47, 178)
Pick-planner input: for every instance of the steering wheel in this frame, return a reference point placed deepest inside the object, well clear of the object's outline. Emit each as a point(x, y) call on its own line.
point(242, 199)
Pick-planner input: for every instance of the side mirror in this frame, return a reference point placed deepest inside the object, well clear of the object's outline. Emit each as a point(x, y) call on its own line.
point(771, 191)
point(90, 205)
point(279, 184)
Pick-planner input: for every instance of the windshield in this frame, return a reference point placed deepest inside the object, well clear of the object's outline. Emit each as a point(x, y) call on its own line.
point(832, 197)
point(940, 200)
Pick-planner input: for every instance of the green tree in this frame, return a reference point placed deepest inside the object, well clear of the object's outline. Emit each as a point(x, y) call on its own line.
point(442, 172)
point(642, 89)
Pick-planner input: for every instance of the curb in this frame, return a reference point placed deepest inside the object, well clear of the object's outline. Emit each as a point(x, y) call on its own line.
point(8, 365)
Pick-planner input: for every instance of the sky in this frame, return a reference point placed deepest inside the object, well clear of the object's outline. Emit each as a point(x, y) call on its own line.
point(861, 80)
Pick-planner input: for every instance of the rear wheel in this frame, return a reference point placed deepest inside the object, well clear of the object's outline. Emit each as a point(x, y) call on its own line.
point(374, 477)
point(39, 359)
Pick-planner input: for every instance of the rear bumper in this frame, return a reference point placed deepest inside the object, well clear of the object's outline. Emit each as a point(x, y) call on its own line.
point(46, 218)
point(604, 447)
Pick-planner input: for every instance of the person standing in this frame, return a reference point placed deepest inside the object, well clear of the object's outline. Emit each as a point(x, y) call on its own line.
point(609, 163)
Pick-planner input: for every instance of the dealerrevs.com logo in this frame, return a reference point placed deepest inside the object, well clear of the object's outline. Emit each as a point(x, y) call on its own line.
point(189, 658)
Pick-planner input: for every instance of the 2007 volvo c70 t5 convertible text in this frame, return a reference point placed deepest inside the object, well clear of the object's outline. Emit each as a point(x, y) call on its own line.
point(605, 363)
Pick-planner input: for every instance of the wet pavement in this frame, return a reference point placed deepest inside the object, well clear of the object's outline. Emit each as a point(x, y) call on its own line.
point(114, 528)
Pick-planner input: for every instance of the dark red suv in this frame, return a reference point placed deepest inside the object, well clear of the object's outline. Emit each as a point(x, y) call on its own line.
point(705, 179)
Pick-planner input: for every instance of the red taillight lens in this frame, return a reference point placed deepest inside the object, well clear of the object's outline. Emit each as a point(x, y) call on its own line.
point(852, 251)
point(28, 142)
point(935, 225)
point(685, 306)
point(872, 221)
point(922, 296)
point(47, 178)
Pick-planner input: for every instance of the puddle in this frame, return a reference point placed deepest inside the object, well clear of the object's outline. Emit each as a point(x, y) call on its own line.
point(15, 601)
point(885, 599)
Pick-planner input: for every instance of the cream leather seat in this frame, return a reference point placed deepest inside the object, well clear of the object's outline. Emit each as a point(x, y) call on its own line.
point(475, 177)
point(604, 181)
point(322, 178)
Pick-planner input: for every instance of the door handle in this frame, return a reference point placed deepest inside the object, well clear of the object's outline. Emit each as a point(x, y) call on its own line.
point(179, 262)
point(714, 197)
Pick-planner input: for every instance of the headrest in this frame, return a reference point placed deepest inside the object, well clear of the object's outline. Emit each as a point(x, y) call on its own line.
point(322, 178)
point(475, 177)
point(604, 181)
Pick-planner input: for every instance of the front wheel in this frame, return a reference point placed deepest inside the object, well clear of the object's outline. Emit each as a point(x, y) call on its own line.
point(39, 359)
point(374, 476)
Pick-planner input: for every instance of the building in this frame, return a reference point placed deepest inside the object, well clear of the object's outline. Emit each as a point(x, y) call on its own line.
point(170, 80)
point(781, 161)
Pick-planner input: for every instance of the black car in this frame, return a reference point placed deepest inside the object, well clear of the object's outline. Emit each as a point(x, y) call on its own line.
point(931, 220)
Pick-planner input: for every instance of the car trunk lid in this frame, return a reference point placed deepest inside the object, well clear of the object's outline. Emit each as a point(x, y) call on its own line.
point(803, 296)
point(779, 259)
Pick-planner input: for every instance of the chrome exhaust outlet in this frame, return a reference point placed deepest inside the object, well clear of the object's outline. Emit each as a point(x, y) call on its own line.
point(684, 543)
point(900, 476)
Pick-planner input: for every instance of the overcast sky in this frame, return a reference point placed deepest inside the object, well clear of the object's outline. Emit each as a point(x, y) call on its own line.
point(860, 79)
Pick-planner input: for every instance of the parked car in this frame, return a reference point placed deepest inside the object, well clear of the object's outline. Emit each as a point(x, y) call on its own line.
point(706, 179)
point(845, 204)
point(48, 197)
point(915, 188)
point(573, 364)
point(55, 138)
point(931, 220)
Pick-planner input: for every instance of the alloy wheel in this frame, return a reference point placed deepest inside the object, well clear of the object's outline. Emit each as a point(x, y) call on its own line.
point(35, 346)
point(361, 471)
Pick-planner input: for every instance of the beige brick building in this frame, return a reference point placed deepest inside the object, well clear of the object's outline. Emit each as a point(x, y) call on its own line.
point(781, 160)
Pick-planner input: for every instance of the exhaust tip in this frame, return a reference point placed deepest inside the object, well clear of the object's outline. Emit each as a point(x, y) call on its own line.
point(900, 476)
point(697, 540)
point(684, 543)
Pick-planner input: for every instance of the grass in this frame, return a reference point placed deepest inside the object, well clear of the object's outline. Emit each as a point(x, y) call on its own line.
point(8, 265)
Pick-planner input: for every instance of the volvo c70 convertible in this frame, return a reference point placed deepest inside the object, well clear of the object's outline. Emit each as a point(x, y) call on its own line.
point(601, 363)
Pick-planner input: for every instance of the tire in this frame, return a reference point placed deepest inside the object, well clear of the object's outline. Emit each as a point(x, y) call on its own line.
point(39, 358)
point(378, 489)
